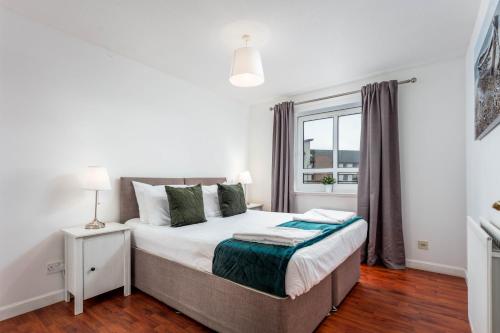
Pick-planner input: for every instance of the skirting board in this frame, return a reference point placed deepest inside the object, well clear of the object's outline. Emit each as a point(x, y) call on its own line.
point(31, 304)
point(436, 268)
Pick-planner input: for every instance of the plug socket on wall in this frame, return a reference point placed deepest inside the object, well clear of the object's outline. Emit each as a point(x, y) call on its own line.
point(423, 245)
point(55, 267)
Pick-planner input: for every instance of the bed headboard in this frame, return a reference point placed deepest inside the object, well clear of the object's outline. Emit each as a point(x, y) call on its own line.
point(128, 201)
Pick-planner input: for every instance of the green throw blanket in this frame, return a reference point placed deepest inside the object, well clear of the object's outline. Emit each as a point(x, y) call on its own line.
point(263, 266)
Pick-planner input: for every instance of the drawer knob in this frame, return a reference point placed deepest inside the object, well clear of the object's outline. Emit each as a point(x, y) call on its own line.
point(92, 269)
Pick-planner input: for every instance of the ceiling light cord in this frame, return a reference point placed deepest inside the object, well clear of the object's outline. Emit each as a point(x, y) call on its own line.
point(246, 38)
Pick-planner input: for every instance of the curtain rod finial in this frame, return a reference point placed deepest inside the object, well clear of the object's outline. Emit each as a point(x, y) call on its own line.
point(413, 80)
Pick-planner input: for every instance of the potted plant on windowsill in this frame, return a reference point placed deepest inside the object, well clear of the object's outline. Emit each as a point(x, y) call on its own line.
point(328, 182)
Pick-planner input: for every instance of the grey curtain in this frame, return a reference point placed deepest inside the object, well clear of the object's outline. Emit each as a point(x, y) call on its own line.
point(282, 166)
point(379, 188)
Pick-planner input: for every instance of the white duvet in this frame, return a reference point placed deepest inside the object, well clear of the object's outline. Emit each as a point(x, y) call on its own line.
point(194, 245)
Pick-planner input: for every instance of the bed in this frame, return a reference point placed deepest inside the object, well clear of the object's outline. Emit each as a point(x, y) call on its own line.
point(174, 266)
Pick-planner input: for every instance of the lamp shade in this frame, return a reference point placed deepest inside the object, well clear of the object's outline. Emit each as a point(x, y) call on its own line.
point(246, 70)
point(245, 177)
point(96, 178)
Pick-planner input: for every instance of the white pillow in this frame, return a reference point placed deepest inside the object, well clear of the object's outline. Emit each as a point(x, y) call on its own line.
point(157, 206)
point(211, 201)
point(140, 189)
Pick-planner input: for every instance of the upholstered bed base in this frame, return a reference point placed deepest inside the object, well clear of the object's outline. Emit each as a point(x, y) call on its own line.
point(345, 277)
point(226, 306)
point(221, 304)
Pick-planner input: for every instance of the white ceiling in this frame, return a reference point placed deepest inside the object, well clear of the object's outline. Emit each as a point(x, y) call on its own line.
point(304, 44)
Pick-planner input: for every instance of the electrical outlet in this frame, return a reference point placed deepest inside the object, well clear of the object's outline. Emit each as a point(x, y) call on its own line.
point(55, 267)
point(423, 245)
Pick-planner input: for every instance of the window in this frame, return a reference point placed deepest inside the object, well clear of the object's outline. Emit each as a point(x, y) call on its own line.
point(347, 178)
point(318, 147)
point(328, 145)
point(315, 178)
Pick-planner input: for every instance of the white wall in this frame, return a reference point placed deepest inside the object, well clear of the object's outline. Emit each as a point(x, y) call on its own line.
point(66, 104)
point(431, 120)
point(483, 157)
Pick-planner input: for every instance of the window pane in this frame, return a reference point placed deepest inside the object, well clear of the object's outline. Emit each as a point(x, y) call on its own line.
point(318, 143)
point(347, 178)
point(349, 140)
point(315, 178)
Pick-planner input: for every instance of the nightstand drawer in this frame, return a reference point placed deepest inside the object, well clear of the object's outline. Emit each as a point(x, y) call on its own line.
point(103, 263)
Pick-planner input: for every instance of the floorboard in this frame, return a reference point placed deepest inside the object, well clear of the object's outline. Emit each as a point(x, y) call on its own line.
point(383, 301)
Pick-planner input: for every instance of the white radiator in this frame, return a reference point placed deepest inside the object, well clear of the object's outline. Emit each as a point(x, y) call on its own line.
point(479, 277)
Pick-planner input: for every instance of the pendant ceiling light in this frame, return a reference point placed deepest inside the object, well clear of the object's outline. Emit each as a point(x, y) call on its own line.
point(246, 70)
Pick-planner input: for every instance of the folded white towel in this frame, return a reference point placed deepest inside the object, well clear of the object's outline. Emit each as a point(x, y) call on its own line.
point(324, 216)
point(277, 235)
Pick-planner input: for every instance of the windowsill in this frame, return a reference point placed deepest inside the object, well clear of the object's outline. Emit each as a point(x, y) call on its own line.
point(328, 194)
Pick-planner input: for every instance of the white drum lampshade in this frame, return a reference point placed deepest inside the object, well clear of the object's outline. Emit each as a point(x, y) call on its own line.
point(245, 178)
point(246, 70)
point(96, 178)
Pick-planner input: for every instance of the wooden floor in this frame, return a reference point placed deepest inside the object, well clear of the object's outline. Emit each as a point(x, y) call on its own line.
point(383, 301)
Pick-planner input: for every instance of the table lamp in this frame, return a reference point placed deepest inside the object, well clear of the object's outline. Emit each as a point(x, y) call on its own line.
point(96, 179)
point(245, 178)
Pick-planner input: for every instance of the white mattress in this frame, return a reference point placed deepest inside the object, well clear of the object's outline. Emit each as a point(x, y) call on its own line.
point(194, 245)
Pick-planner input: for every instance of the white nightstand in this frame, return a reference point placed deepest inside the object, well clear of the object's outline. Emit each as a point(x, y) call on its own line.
point(96, 261)
point(255, 206)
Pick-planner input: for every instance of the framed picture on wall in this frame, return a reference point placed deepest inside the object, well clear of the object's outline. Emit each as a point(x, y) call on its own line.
point(487, 78)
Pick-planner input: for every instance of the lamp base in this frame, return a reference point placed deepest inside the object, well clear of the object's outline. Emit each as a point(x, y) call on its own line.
point(96, 224)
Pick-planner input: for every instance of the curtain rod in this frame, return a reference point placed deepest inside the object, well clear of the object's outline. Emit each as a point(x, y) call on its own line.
point(412, 80)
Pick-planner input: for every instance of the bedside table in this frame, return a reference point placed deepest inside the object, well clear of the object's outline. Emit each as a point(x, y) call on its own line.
point(96, 261)
point(255, 206)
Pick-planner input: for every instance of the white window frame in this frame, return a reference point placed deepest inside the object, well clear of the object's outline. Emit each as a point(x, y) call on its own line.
point(331, 112)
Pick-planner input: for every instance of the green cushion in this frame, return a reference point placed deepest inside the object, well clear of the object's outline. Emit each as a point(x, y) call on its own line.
point(231, 199)
point(186, 205)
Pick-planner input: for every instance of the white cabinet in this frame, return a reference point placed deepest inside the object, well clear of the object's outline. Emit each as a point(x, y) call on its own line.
point(255, 206)
point(96, 261)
